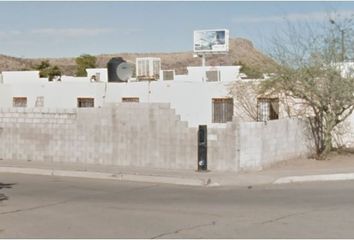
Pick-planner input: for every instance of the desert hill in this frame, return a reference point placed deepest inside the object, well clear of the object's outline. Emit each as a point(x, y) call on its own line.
point(240, 50)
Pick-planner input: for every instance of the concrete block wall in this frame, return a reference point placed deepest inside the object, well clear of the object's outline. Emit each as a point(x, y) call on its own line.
point(35, 134)
point(152, 135)
point(143, 135)
point(265, 143)
point(125, 134)
point(223, 147)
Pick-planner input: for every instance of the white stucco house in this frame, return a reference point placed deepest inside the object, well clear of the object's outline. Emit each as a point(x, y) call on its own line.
point(199, 97)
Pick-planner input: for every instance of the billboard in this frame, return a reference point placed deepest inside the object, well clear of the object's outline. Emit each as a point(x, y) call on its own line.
point(209, 41)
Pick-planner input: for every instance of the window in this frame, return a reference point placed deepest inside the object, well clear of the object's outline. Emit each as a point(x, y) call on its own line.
point(168, 75)
point(212, 76)
point(130, 99)
point(85, 102)
point(268, 109)
point(19, 102)
point(39, 102)
point(223, 110)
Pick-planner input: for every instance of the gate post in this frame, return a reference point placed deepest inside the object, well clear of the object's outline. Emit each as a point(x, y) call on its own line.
point(202, 148)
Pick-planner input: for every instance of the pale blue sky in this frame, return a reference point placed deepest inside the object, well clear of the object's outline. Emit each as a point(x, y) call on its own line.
point(59, 29)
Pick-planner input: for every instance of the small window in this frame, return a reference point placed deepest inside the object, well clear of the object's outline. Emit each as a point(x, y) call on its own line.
point(168, 75)
point(212, 76)
point(19, 102)
point(39, 102)
point(130, 99)
point(268, 109)
point(223, 110)
point(85, 102)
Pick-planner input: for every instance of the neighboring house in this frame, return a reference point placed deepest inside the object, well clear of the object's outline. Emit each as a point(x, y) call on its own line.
point(200, 97)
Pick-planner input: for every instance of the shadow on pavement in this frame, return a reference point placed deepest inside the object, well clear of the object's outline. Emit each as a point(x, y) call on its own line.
point(5, 185)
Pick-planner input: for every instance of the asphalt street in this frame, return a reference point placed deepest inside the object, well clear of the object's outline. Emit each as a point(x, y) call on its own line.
point(61, 207)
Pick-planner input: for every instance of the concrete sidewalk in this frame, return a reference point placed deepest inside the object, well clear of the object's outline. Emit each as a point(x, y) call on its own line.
point(339, 167)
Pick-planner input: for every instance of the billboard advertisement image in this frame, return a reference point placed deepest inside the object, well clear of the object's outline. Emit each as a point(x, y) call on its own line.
point(211, 40)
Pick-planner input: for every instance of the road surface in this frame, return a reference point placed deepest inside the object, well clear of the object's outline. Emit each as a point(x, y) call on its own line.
point(61, 207)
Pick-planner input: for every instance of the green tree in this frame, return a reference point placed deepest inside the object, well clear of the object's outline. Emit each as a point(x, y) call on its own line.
point(47, 70)
point(83, 62)
point(251, 72)
point(309, 71)
point(53, 71)
point(43, 68)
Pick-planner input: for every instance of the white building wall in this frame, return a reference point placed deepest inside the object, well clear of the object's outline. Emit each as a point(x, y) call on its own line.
point(349, 138)
point(20, 76)
point(101, 71)
point(70, 79)
point(181, 78)
point(6, 95)
point(56, 94)
point(191, 100)
point(227, 73)
point(346, 68)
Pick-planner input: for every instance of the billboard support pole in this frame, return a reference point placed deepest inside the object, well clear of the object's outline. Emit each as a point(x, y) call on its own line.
point(203, 60)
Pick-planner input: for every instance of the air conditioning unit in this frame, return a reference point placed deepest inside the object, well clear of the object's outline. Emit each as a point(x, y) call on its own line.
point(148, 68)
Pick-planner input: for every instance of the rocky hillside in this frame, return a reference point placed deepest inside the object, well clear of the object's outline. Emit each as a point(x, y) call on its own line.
point(12, 63)
point(240, 50)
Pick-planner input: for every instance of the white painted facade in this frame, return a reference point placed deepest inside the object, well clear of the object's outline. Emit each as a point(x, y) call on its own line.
point(191, 100)
point(101, 74)
point(346, 68)
point(20, 76)
point(188, 94)
point(226, 73)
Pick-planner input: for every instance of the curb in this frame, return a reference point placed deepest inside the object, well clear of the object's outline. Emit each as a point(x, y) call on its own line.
point(109, 176)
point(313, 178)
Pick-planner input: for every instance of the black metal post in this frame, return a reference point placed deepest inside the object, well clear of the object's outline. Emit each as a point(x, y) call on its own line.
point(202, 148)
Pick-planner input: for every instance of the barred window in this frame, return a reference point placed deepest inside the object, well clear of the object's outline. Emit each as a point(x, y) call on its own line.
point(130, 99)
point(223, 110)
point(19, 102)
point(268, 109)
point(39, 102)
point(85, 102)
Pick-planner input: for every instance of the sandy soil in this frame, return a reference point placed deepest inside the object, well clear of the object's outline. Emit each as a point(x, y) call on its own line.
point(338, 160)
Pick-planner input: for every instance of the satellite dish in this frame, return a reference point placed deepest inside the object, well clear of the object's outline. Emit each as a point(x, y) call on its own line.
point(119, 70)
point(125, 71)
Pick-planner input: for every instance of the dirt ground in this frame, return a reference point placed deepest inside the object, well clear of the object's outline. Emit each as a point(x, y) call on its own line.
point(338, 160)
